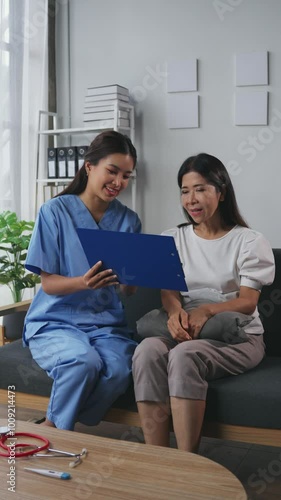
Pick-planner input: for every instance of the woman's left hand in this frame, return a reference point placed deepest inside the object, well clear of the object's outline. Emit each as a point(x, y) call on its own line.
point(197, 319)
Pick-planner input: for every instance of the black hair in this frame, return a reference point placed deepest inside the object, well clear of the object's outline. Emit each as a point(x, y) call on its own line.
point(106, 143)
point(215, 173)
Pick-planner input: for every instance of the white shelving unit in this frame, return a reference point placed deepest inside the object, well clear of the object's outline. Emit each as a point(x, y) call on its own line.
point(45, 185)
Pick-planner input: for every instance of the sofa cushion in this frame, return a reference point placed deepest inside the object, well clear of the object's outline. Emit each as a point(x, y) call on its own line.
point(18, 368)
point(138, 304)
point(270, 310)
point(250, 399)
point(226, 326)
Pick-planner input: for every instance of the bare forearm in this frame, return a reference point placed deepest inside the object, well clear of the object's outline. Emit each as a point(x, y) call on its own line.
point(242, 305)
point(93, 279)
point(177, 318)
point(245, 303)
point(54, 284)
point(171, 301)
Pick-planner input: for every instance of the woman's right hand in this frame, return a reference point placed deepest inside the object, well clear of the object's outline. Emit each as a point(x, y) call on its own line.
point(178, 325)
point(95, 279)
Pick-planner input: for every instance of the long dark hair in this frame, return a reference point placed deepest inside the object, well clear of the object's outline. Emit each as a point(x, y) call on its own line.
point(106, 143)
point(216, 174)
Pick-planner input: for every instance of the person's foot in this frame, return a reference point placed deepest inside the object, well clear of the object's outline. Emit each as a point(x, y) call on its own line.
point(48, 423)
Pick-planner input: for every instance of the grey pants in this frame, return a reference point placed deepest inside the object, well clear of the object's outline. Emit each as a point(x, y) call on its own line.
point(164, 368)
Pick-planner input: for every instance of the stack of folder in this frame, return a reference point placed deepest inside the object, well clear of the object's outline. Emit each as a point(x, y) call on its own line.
point(102, 104)
point(64, 162)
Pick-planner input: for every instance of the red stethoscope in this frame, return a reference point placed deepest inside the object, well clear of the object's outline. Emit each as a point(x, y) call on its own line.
point(9, 450)
point(34, 450)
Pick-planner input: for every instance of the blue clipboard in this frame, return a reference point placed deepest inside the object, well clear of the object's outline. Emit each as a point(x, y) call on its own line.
point(146, 260)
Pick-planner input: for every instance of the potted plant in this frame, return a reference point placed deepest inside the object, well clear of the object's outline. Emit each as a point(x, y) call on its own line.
point(15, 236)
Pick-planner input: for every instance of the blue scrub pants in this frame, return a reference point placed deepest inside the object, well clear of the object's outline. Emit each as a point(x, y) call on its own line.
point(90, 370)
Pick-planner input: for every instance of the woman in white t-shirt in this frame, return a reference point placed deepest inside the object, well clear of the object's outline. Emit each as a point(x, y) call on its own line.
point(225, 264)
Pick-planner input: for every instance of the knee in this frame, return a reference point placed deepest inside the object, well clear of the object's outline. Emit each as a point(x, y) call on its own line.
point(87, 356)
point(185, 357)
point(151, 357)
point(84, 362)
point(147, 352)
point(119, 377)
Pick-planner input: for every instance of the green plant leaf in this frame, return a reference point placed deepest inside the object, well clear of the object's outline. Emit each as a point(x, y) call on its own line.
point(15, 237)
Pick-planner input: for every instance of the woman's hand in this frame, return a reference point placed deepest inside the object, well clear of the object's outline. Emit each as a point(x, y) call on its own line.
point(197, 319)
point(178, 325)
point(95, 279)
point(55, 284)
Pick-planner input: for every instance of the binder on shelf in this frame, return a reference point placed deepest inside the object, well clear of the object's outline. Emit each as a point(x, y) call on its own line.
point(138, 259)
point(80, 153)
point(71, 162)
point(108, 89)
point(62, 162)
point(52, 163)
point(106, 97)
point(122, 122)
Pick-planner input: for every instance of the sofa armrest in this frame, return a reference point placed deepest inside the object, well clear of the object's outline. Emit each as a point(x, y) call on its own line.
point(2, 335)
point(16, 307)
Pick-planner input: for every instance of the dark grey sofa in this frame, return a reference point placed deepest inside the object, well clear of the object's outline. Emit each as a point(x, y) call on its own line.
point(245, 407)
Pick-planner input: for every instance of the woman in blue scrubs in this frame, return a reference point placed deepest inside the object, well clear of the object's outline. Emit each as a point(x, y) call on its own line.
point(75, 328)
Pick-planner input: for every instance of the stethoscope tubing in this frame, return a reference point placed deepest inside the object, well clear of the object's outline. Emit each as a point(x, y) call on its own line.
point(36, 449)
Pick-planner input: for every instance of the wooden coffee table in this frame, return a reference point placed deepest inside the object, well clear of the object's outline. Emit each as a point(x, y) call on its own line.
point(115, 469)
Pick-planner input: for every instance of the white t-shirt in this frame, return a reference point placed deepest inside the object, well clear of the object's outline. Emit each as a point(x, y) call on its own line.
point(215, 269)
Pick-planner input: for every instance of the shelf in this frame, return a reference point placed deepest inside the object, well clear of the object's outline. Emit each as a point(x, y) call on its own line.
point(81, 130)
point(63, 180)
point(46, 187)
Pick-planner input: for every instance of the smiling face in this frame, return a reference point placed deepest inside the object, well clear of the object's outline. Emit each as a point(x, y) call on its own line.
point(200, 199)
point(109, 177)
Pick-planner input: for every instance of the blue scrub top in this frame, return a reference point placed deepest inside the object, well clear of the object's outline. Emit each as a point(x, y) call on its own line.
point(56, 249)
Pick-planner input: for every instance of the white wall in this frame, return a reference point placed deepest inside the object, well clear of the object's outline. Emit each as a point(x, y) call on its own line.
point(123, 42)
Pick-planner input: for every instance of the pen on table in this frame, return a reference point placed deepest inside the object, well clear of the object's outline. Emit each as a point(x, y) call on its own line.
point(50, 473)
